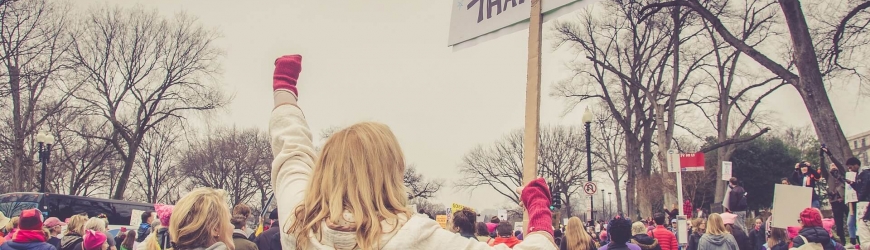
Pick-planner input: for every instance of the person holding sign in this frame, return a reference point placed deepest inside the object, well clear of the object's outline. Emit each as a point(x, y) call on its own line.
point(861, 187)
point(352, 196)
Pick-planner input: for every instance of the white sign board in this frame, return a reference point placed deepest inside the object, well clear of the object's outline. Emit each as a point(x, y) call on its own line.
point(726, 170)
point(851, 195)
point(502, 215)
point(136, 217)
point(471, 19)
point(787, 200)
point(673, 161)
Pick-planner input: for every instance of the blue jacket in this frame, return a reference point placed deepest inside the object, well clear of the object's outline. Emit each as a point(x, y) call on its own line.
point(144, 230)
point(9, 245)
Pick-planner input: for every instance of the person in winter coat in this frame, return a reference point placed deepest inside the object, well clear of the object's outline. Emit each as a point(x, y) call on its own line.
point(145, 227)
point(667, 239)
point(575, 237)
point(641, 239)
point(201, 221)
point(620, 234)
point(856, 225)
point(778, 239)
point(270, 239)
point(481, 232)
point(756, 236)
point(351, 193)
point(737, 203)
point(30, 235)
point(729, 220)
point(244, 210)
point(240, 238)
point(716, 236)
point(699, 226)
point(505, 235)
point(812, 230)
point(806, 176)
point(54, 226)
point(75, 229)
point(99, 225)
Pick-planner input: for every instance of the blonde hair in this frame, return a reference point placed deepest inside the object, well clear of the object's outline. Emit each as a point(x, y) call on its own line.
point(96, 224)
point(76, 224)
point(152, 243)
point(200, 219)
point(715, 225)
point(360, 170)
point(638, 228)
point(575, 236)
point(13, 223)
point(696, 225)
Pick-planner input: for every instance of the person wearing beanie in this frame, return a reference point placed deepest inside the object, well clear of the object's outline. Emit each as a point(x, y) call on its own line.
point(716, 237)
point(363, 163)
point(619, 232)
point(812, 230)
point(54, 226)
point(30, 234)
point(667, 239)
point(641, 239)
point(505, 235)
point(240, 239)
point(602, 238)
point(270, 239)
point(164, 214)
point(94, 240)
point(729, 220)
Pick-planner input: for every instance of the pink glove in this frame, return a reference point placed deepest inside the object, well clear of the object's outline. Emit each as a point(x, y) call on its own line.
point(536, 199)
point(287, 70)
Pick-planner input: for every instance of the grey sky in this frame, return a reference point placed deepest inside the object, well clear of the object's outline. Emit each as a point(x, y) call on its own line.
point(387, 61)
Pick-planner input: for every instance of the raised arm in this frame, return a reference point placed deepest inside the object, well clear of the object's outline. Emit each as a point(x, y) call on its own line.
point(290, 138)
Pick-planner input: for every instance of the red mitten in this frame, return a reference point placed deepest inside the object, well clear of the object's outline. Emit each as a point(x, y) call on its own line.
point(536, 199)
point(287, 70)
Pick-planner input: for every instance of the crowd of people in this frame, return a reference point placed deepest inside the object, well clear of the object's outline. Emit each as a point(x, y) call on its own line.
point(351, 195)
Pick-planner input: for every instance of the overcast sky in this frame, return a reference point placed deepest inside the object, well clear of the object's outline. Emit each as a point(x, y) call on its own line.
point(388, 62)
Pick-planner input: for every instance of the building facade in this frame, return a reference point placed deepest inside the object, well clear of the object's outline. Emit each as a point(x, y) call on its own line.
point(860, 147)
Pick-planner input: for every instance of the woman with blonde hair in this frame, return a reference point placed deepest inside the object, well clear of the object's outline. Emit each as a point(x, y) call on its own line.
point(717, 237)
point(98, 224)
point(75, 229)
point(201, 220)
point(353, 196)
point(575, 237)
point(699, 226)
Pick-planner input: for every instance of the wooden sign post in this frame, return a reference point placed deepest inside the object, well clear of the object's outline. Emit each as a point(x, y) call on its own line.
point(533, 100)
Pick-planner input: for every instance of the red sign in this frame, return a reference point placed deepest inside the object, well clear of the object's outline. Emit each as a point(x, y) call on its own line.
point(692, 162)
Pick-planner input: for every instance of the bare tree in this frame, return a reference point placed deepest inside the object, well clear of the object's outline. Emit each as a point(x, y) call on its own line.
point(139, 69)
point(608, 148)
point(424, 206)
point(418, 187)
point(560, 158)
point(81, 164)
point(229, 159)
point(158, 162)
point(32, 46)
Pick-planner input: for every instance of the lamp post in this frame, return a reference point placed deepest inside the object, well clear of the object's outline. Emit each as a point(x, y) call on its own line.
point(45, 140)
point(610, 202)
point(603, 209)
point(587, 121)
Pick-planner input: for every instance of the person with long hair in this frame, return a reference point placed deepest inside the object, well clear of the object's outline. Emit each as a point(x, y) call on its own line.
point(75, 229)
point(129, 240)
point(99, 225)
point(575, 237)
point(352, 195)
point(482, 232)
point(699, 227)
point(201, 220)
point(716, 236)
point(778, 239)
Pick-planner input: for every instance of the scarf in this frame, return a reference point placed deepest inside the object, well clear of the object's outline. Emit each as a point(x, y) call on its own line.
point(25, 236)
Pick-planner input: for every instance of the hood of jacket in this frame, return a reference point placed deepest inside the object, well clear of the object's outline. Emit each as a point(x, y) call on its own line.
point(645, 241)
point(717, 240)
point(70, 240)
point(239, 234)
point(816, 235)
point(510, 242)
point(216, 246)
point(343, 235)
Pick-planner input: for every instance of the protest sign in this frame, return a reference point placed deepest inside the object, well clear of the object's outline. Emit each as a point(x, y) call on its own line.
point(851, 195)
point(442, 220)
point(788, 203)
point(726, 170)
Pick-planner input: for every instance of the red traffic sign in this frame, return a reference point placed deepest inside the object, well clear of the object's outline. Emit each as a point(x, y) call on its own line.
point(590, 188)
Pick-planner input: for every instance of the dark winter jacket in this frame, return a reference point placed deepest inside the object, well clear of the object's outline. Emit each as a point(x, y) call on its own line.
point(782, 245)
point(813, 175)
point(757, 239)
point(693, 241)
point(54, 241)
point(9, 245)
point(645, 242)
point(741, 238)
point(269, 239)
point(737, 199)
point(144, 230)
point(861, 185)
point(241, 241)
point(815, 235)
point(71, 241)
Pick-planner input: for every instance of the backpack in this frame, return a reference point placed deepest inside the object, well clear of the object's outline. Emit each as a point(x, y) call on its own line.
point(809, 245)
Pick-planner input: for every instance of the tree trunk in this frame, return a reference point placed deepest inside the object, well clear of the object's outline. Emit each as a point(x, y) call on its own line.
point(811, 87)
point(633, 158)
point(125, 172)
point(20, 172)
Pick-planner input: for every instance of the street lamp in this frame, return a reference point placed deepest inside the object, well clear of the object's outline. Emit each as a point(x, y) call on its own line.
point(610, 202)
point(44, 152)
point(587, 121)
point(603, 209)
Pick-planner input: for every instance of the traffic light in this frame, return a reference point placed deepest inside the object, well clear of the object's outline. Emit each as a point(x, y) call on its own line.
point(557, 201)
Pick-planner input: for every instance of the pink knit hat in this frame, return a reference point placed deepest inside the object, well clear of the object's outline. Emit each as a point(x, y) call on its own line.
point(164, 212)
point(93, 240)
point(728, 218)
point(828, 224)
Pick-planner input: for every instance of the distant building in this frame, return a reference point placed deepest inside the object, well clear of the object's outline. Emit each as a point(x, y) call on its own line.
point(859, 146)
